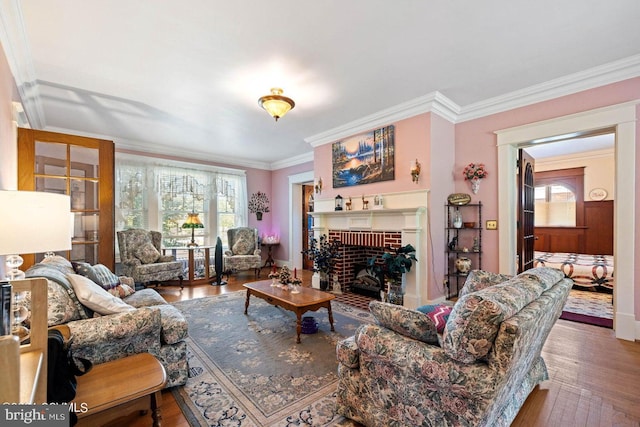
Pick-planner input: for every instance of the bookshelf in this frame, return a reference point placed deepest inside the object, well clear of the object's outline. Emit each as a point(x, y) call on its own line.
point(25, 366)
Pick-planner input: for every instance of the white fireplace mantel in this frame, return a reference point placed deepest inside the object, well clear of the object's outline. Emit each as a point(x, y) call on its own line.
point(370, 220)
point(408, 218)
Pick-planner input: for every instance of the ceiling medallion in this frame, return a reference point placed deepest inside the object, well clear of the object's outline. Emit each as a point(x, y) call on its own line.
point(276, 104)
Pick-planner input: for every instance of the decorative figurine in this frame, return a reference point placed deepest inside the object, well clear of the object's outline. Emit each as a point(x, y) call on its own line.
point(453, 244)
point(365, 204)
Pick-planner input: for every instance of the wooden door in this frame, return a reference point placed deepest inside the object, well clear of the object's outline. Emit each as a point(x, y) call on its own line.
point(526, 206)
point(307, 223)
point(83, 168)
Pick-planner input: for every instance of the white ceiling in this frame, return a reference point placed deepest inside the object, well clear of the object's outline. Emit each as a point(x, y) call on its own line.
point(573, 146)
point(184, 77)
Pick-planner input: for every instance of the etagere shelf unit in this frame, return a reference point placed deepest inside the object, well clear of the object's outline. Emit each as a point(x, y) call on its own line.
point(464, 240)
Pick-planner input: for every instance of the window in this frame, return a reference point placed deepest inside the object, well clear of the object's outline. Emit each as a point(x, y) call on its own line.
point(131, 206)
point(160, 197)
point(555, 206)
point(559, 198)
point(181, 193)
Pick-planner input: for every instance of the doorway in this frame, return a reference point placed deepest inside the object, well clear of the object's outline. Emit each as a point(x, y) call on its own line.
point(307, 223)
point(622, 119)
point(296, 183)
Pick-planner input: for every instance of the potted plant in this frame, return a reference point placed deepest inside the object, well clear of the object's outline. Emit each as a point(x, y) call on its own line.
point(258, 204)
point(393, 264)
point(324, 254)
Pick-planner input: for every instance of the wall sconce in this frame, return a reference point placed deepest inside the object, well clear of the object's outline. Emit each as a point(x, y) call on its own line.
point(318, 186)
point(415, 171)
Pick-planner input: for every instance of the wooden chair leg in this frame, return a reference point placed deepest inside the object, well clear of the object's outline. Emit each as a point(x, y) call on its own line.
point(156, 403)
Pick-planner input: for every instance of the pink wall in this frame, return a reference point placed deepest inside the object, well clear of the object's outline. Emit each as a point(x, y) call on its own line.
point(431, 140)
point(282, 208)
point(440, 182)
point(411, 142)
point(260, 180)
point(476, 142)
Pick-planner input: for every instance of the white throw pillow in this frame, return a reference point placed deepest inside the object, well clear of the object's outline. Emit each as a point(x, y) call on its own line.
point(95, 297)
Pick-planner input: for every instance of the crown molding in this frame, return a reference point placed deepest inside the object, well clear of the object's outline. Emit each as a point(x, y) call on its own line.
point(16, 47)
point(195, 156)
point(434, 102)
point(611, 72)
point(293, 161)
point(159, 151)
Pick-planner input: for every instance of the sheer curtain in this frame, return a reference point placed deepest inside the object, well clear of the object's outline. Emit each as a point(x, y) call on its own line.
point(158, 196)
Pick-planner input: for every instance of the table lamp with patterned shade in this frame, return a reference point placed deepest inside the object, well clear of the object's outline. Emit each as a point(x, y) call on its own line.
point(32, 222)
point(192, 222)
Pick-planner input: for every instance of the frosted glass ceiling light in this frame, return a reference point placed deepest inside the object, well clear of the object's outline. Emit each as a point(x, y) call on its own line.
point(276, 104)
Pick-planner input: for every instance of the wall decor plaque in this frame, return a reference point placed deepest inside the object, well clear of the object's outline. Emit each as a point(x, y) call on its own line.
point(459, 199)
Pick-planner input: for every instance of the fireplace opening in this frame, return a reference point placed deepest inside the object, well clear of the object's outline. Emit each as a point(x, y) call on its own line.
point(366, 282)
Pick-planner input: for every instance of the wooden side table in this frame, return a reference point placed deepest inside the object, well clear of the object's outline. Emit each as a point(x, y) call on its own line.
point(115, 389)
point(269, 261)
point(192, 279)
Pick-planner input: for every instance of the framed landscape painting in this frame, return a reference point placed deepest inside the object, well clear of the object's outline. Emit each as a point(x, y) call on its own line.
point(364, 158)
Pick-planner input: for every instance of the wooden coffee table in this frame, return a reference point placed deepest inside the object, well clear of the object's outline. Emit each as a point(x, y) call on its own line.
point(307, 300)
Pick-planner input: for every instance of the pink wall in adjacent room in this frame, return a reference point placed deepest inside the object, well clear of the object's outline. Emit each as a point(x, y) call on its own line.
point(411, 136)
point(476, 142)
point(282, 208)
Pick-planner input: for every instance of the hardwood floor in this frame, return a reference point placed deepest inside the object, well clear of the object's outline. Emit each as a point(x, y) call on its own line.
point(594, 377)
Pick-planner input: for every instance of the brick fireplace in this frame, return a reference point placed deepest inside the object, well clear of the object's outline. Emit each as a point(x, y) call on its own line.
point(358, 247)
point(365, 233)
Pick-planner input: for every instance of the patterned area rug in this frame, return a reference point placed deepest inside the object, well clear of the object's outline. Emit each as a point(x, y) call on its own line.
point(249, 371)
point(594, 308)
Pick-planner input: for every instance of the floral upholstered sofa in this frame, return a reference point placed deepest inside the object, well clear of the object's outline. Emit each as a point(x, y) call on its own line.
point(131, 321)
point(477, 372)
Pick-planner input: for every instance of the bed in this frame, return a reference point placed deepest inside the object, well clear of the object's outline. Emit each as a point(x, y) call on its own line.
point(587, 271)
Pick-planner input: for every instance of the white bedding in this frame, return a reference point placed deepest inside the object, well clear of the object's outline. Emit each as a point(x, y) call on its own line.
point(587, 271)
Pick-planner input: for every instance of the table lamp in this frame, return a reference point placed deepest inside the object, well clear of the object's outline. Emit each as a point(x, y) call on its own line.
point(192, 222)
point(32, 222)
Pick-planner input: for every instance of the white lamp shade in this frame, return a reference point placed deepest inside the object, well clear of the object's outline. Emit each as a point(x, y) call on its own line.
point(34, 222)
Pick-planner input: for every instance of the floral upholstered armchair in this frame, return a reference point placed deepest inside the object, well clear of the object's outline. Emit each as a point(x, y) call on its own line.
point(141, 257)
point(244, 250)
point(477, 371)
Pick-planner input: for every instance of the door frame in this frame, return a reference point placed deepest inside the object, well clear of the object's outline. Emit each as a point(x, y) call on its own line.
point(622, 117)
point(295, 216)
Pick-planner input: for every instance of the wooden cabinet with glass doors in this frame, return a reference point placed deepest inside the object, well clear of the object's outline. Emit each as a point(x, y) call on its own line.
point(83, 168)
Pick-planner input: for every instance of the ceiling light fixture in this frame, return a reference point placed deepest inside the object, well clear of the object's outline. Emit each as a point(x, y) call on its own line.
point(276, 104)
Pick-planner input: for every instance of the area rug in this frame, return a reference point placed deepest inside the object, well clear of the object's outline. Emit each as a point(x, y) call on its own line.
point(594, 308)
point(247, 370)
